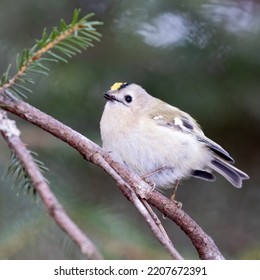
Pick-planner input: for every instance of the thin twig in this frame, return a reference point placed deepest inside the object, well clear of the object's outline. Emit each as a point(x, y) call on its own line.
point(159, 225)
point(202, 242)
point(155, 218)
point(11, 134)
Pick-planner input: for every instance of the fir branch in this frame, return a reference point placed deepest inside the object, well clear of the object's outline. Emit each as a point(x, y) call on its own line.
point(19, 173)
point(63, 42)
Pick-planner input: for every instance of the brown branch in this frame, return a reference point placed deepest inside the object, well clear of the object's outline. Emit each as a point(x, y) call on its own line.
point(153, 221)
point(141, 205)
point(204, 244)
point(92, 152)
point(11, 134)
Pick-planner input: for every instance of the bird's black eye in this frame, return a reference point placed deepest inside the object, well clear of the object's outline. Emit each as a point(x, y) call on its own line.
point(128, 98)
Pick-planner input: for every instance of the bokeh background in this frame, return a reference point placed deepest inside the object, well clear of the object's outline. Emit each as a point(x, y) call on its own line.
point(201, 56)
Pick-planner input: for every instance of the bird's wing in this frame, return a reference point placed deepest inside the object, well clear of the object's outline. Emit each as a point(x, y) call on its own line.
point(184, 122)
point(216, 148)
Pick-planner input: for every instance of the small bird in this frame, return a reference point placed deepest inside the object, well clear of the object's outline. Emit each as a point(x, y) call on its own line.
point(160, 142)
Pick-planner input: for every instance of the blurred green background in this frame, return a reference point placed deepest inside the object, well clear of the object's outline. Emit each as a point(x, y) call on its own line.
point(201, 56)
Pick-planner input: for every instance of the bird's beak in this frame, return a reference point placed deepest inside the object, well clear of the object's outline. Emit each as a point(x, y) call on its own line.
point(110, 97)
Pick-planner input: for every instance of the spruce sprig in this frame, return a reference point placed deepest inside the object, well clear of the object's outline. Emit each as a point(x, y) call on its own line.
point(63, 42)
point(19, 174)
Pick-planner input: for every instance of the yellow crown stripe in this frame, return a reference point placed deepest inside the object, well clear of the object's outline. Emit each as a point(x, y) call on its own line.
point(116, 86)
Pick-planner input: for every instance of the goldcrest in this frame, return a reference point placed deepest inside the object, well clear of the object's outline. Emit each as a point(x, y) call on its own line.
point(160, 142)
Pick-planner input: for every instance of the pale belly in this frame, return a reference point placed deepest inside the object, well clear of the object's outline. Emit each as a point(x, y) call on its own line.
point(162, 157)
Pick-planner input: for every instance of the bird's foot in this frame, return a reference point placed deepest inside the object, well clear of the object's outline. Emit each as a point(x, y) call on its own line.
point(173, 196)
point(149, 182)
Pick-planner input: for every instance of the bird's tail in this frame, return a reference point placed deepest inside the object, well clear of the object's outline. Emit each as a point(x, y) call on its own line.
point(231, 173)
